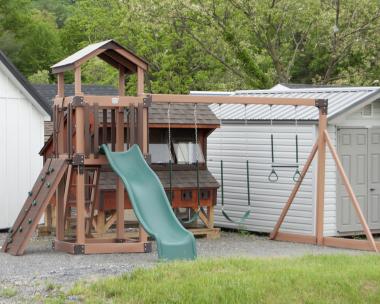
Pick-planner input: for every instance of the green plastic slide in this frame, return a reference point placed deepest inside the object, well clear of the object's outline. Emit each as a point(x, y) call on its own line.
point(151, 204)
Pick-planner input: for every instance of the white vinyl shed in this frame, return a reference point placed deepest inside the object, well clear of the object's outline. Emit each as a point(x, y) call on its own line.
point(354, 126)
point(22, 116)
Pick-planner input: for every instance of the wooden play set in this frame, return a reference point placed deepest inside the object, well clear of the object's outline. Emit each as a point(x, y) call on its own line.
point(73, 173)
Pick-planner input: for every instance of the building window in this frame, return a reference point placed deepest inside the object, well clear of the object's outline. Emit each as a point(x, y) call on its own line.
point(367, 110)
point(188, 153)
point(160, 153)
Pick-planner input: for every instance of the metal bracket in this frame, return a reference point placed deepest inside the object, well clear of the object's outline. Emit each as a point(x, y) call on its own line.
point(147, 101)
point(148, 247)
point(79, 249)
point(78, 101)
point(322, 104)
point(78, 160)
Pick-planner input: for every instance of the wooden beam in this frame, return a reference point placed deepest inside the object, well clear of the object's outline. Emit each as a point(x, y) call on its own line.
point(120, 147)
point(293, 194)
point(106, 101)
point(320, 201)
point(349, 243)
point(297, 238)
point(80, 177)
point(172, 98)
point(351, 194)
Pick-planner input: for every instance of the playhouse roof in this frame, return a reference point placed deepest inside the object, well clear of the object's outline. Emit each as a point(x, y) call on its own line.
point(25, 85)
point(109, 50)
point(341, 100)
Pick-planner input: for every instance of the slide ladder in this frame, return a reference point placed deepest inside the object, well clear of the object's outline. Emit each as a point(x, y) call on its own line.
point(151, 205)
point(34, 206)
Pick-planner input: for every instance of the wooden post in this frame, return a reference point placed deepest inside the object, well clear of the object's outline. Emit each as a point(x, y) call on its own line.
point(60, 85)
point(294, 192)
point(351, 193)
point(60, 115)
point(80, 147)
point(321, 175)
point(120, 147)
point(144, 132)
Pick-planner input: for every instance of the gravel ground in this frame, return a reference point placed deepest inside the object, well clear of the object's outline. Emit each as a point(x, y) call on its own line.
point(40, 272)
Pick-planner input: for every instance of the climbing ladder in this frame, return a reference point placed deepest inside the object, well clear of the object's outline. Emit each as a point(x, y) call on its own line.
point(34, 206)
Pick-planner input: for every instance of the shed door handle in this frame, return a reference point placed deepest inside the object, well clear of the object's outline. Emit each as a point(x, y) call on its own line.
point(372, 189)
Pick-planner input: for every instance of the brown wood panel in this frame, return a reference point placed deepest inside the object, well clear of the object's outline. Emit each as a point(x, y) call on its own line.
point(132, 128)
point(96, 129)
point(104, 135)
point(87, 138)
point(113, 129)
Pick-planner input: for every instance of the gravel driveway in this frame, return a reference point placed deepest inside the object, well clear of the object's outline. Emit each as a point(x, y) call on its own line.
point(41, 271)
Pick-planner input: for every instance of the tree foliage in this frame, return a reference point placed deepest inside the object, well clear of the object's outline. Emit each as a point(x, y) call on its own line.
point(202, 44)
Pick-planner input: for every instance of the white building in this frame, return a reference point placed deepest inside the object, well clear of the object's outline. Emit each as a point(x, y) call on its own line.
point(22, 115)
point(354, 126)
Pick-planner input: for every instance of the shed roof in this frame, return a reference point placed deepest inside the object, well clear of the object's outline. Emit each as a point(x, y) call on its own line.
point(341, 99)
point(109, 50)
point(180, 179)
point(41, 102)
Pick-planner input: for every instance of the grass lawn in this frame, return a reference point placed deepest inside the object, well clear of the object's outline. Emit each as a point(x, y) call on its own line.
point(309, 279)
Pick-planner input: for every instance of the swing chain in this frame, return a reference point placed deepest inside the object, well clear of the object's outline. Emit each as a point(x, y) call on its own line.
point(297, 174)
point(273, 176)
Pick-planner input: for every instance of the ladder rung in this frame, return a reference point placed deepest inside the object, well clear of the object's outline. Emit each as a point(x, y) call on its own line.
point(86, 185)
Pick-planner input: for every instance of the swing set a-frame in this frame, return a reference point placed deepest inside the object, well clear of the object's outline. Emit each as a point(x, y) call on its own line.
point(78, 133)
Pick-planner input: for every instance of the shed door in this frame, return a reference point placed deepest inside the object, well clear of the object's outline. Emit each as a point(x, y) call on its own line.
point(353, 150)
point(374, 179)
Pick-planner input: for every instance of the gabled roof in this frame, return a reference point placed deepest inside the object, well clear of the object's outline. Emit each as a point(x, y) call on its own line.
point(109, 50)
point(340, 99)
point(26, 85)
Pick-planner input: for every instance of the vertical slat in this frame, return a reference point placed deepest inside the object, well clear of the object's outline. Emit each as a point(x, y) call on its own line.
point(104, 141)
point(131, 119)
point(113, 130)
point(69, 131)
point(140, 126)
point(87, 138)
point(55, 130)
point(96, 130)
point(61, 130)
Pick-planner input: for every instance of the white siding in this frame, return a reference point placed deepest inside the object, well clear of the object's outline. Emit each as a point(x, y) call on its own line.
point(234, 144)
point(21, 138)
point(357, 120)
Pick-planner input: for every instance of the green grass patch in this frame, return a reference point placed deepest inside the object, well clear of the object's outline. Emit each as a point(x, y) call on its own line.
point(8, 292)
point(309, 279)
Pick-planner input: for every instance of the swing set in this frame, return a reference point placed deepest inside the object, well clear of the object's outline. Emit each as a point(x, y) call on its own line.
point(77, 153)
point(322, 141)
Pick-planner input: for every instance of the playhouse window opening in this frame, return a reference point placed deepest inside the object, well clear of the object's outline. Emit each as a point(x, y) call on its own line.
point(188, 153)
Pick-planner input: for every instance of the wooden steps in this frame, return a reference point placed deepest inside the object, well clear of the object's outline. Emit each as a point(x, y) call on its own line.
point(34, 206)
